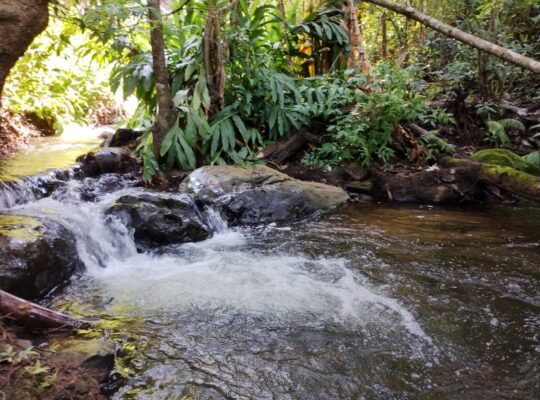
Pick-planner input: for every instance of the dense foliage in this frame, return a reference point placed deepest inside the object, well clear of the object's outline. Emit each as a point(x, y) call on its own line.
point(284, 65)
point(59, 79)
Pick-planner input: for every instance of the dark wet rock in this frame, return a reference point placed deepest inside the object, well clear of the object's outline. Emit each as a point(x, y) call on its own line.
point(36, 256)
point(109, 160)
point(124, 136)
point(258, 194)
point(160, 219)
point(108, 183)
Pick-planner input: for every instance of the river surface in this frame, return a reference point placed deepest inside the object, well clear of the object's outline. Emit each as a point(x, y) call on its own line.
point(369, 302)
point(44, 154)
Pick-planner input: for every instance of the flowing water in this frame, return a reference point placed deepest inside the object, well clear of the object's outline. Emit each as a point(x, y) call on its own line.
point(369, 302)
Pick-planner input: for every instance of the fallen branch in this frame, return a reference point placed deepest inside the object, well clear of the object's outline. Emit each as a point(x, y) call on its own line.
point(31, 314)
point(507, 179)
point(282, 150)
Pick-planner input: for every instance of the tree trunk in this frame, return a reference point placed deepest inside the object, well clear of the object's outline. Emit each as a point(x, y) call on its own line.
point(20, 22)
point(213, 59)
point(167, 113)
point(384, 44)
point(358, 58)
point(30, 314)
point(471, 40)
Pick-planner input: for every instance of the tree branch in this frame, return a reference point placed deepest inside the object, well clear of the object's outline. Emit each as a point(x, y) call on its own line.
point(471, 40)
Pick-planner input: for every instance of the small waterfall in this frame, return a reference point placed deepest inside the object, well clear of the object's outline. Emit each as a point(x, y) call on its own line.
point(99, 239)
point(215, 220)
point(21, 191)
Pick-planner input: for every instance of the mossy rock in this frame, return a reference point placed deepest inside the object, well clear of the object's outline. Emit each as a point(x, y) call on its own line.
point(506, 158)
point(259, 195)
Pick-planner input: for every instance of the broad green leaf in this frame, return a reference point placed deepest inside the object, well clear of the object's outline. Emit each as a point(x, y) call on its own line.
point(170, 137)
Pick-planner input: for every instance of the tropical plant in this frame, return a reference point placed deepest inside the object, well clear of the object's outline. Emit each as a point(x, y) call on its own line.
point(497, 130)
point(363, 118)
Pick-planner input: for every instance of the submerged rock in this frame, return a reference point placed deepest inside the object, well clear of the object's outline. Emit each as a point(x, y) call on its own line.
point(36, 256)
point(258, 194)
point(160, 219)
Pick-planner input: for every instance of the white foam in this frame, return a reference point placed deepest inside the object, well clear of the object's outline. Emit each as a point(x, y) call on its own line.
point(221, 274)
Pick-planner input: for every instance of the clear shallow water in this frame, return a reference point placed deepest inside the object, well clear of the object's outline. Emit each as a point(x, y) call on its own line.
point(44, 154)
point(371, 302)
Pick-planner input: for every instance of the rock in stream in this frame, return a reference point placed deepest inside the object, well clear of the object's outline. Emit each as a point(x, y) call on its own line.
point(36, 256)
point(160, 219)
point(259, 194)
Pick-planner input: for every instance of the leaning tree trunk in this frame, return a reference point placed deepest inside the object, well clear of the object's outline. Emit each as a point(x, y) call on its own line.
point(31, 314)
point(20, 22)
point(471, 40)
point(167, 113)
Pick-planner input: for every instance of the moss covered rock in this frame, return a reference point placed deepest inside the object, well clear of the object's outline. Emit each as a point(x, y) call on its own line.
point(506, 158)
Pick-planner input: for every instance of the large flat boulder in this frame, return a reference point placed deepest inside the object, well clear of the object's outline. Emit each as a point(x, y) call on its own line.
point(258, 194)
point(36, 256)
point(159, 219)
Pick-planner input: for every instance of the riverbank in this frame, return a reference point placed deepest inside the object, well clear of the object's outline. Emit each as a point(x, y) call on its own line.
point(15, 131)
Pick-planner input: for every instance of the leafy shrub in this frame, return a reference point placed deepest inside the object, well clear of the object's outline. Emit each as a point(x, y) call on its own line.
point(366, 132)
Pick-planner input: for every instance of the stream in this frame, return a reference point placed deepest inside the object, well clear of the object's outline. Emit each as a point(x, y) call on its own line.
point(368, 302)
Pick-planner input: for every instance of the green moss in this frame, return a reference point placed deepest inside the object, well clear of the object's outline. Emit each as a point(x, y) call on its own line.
point(20, 228)
point(506, 158)
point(519, 176)
point(451, 161)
